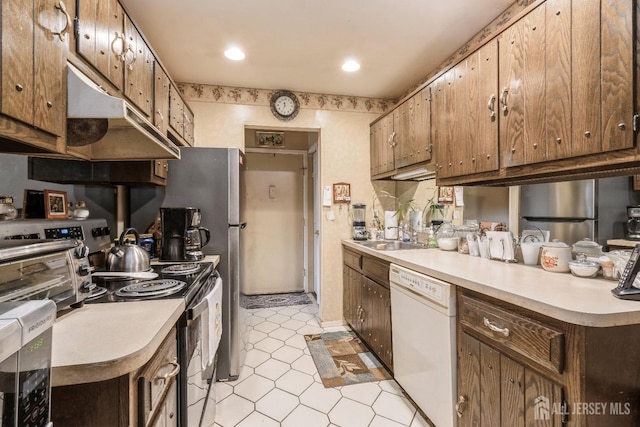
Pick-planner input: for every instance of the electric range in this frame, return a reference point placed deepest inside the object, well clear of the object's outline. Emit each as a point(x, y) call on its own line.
point(196, 283)
point(182, 280)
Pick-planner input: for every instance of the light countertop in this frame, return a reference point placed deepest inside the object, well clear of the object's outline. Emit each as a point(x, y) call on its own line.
point(623, 242)
point(98, 342)
point(581, 301)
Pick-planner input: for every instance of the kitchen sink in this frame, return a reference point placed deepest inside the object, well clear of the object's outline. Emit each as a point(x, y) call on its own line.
point(391, 245)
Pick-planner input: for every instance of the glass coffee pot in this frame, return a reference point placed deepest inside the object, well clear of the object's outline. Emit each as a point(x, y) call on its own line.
point(193, 242)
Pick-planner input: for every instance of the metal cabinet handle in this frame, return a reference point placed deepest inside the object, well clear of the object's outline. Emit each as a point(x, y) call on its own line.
point(491, 105)
point(391, 141)
point(503, 99)
point(494, 328)
point(63, 33)
point(461, 406)
point(120, 53)
point(133, 56)
point(173, 373)
point(159, 113)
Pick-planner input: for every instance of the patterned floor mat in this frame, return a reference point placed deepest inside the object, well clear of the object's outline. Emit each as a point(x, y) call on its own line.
point(274, 300)
point(342, 359)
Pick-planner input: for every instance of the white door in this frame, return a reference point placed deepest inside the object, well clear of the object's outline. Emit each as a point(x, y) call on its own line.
point(274, 249)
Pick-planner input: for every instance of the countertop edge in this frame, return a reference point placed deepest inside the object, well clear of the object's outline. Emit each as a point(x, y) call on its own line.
point(564, 306)
point(115, 366)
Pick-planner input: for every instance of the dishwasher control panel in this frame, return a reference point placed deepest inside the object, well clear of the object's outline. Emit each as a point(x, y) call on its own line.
point(428, 287)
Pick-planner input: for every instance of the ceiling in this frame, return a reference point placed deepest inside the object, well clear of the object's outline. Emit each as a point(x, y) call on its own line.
point(301, 44)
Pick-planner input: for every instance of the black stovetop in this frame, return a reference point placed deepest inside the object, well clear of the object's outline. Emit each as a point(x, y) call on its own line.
point(194, 282)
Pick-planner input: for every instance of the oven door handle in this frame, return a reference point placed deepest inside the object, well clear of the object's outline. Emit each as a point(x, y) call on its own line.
point(197, 310)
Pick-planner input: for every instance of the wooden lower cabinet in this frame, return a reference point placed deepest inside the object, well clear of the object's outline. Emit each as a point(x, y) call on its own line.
point(520, 368)
point(367, 306)
point(146, 397)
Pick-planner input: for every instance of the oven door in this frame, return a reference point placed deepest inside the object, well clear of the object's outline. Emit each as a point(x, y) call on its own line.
point(200, 404)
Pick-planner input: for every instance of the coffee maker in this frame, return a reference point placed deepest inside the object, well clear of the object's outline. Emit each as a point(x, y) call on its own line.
point(633, 223)
point(359, 222)
point(182, 238)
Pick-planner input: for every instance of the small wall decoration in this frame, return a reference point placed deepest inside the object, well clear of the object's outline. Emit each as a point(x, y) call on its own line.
point(270, 139)
point(55, 204)
point(445, 194)
point(341, 192)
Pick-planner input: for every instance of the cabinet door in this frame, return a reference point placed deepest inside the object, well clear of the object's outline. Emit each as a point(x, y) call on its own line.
point(522, 90)
point(444, 124)
point(468, 406)
point(138, 76)
point(49, 64)
point(188, 125)
point(385, 346)
point(101, 39)
point(176, 110)
point(422, 126)
point(403, 138)
point(374, 147)
point(484, 114)
point(161, 99)
point(388, 138)
point(17, 60)
point(558, 79)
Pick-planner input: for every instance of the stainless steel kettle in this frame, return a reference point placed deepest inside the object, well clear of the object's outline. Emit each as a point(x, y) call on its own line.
point(128, 257)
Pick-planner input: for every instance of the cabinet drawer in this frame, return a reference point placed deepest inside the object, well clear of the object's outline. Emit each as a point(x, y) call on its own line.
point(352, 259)
point(530, 338)
point(376, 269)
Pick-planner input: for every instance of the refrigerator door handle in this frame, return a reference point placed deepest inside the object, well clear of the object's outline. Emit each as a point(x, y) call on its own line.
point(553, 219)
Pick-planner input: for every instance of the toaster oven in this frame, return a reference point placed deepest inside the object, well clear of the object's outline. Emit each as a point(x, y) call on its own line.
point(57, 270)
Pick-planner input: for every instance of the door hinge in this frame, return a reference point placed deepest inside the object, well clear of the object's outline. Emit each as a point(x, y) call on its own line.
point(635, 122)
point(430, 149)
point(76, 27)
point(429, 97)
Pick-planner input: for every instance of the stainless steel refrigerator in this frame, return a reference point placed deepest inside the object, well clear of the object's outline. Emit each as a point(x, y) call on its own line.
point(568, 209)
point(212, 179)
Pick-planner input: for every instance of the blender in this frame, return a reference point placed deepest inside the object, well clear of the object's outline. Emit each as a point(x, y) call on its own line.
point(359, 222)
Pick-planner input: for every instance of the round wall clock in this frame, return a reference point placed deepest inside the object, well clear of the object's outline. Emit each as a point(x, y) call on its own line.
point(284, 105)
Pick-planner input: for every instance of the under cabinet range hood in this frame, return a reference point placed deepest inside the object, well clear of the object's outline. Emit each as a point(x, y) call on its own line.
point(112, 128)
point(418, 174)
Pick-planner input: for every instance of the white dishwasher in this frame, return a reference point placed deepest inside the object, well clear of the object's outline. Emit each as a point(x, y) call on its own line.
point(423, 311)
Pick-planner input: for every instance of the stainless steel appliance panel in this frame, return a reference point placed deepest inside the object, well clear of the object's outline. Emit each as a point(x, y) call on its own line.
point(212, 179)
point(568, 199)
point(565, 231)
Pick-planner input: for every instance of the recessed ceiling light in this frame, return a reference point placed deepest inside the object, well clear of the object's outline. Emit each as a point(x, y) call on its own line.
point(234, 54)
point(350, 66)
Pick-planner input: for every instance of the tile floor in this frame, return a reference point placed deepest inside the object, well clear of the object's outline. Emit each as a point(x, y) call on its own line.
point(280, 386)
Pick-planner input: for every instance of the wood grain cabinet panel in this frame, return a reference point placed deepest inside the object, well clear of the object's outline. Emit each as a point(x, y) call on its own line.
point(138, 72)
point(35, 34)
point(161, 99)
point(367, 303)
point(176, 110)
point(422, 125)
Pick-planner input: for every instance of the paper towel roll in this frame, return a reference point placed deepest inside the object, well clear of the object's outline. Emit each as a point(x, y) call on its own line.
point(390, 225)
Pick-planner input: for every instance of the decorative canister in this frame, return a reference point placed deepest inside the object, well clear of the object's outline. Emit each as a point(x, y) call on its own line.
point(7, 210)
point(555, 256)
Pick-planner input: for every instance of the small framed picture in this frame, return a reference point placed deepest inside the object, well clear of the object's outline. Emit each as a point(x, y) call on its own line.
point(341, 192)
point(445, 194)
point(55, 204)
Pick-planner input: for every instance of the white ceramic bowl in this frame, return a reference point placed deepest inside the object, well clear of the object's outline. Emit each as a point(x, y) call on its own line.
point(584, 269)
point(555, 256)
point(448, 243)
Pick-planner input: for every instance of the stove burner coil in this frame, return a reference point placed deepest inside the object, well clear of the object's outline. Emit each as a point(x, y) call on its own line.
point(96, 292)
point(188, 268)
point(151, 289)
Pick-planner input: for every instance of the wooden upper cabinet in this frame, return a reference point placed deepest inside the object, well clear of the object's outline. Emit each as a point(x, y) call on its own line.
point(617, 64)
point(138, 70)
point(34, 45)
point(176, 110)
point(421, 126)
point(522, 90)
point(101, 39)
point(161, 98)
point(381, 137)
point(189, 128)
point(403, 138)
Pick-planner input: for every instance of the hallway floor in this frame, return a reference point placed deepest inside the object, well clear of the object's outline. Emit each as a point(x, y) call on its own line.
point(280, 386)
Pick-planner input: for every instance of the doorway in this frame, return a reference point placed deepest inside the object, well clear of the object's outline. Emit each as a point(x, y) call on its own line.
point(281, 249)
